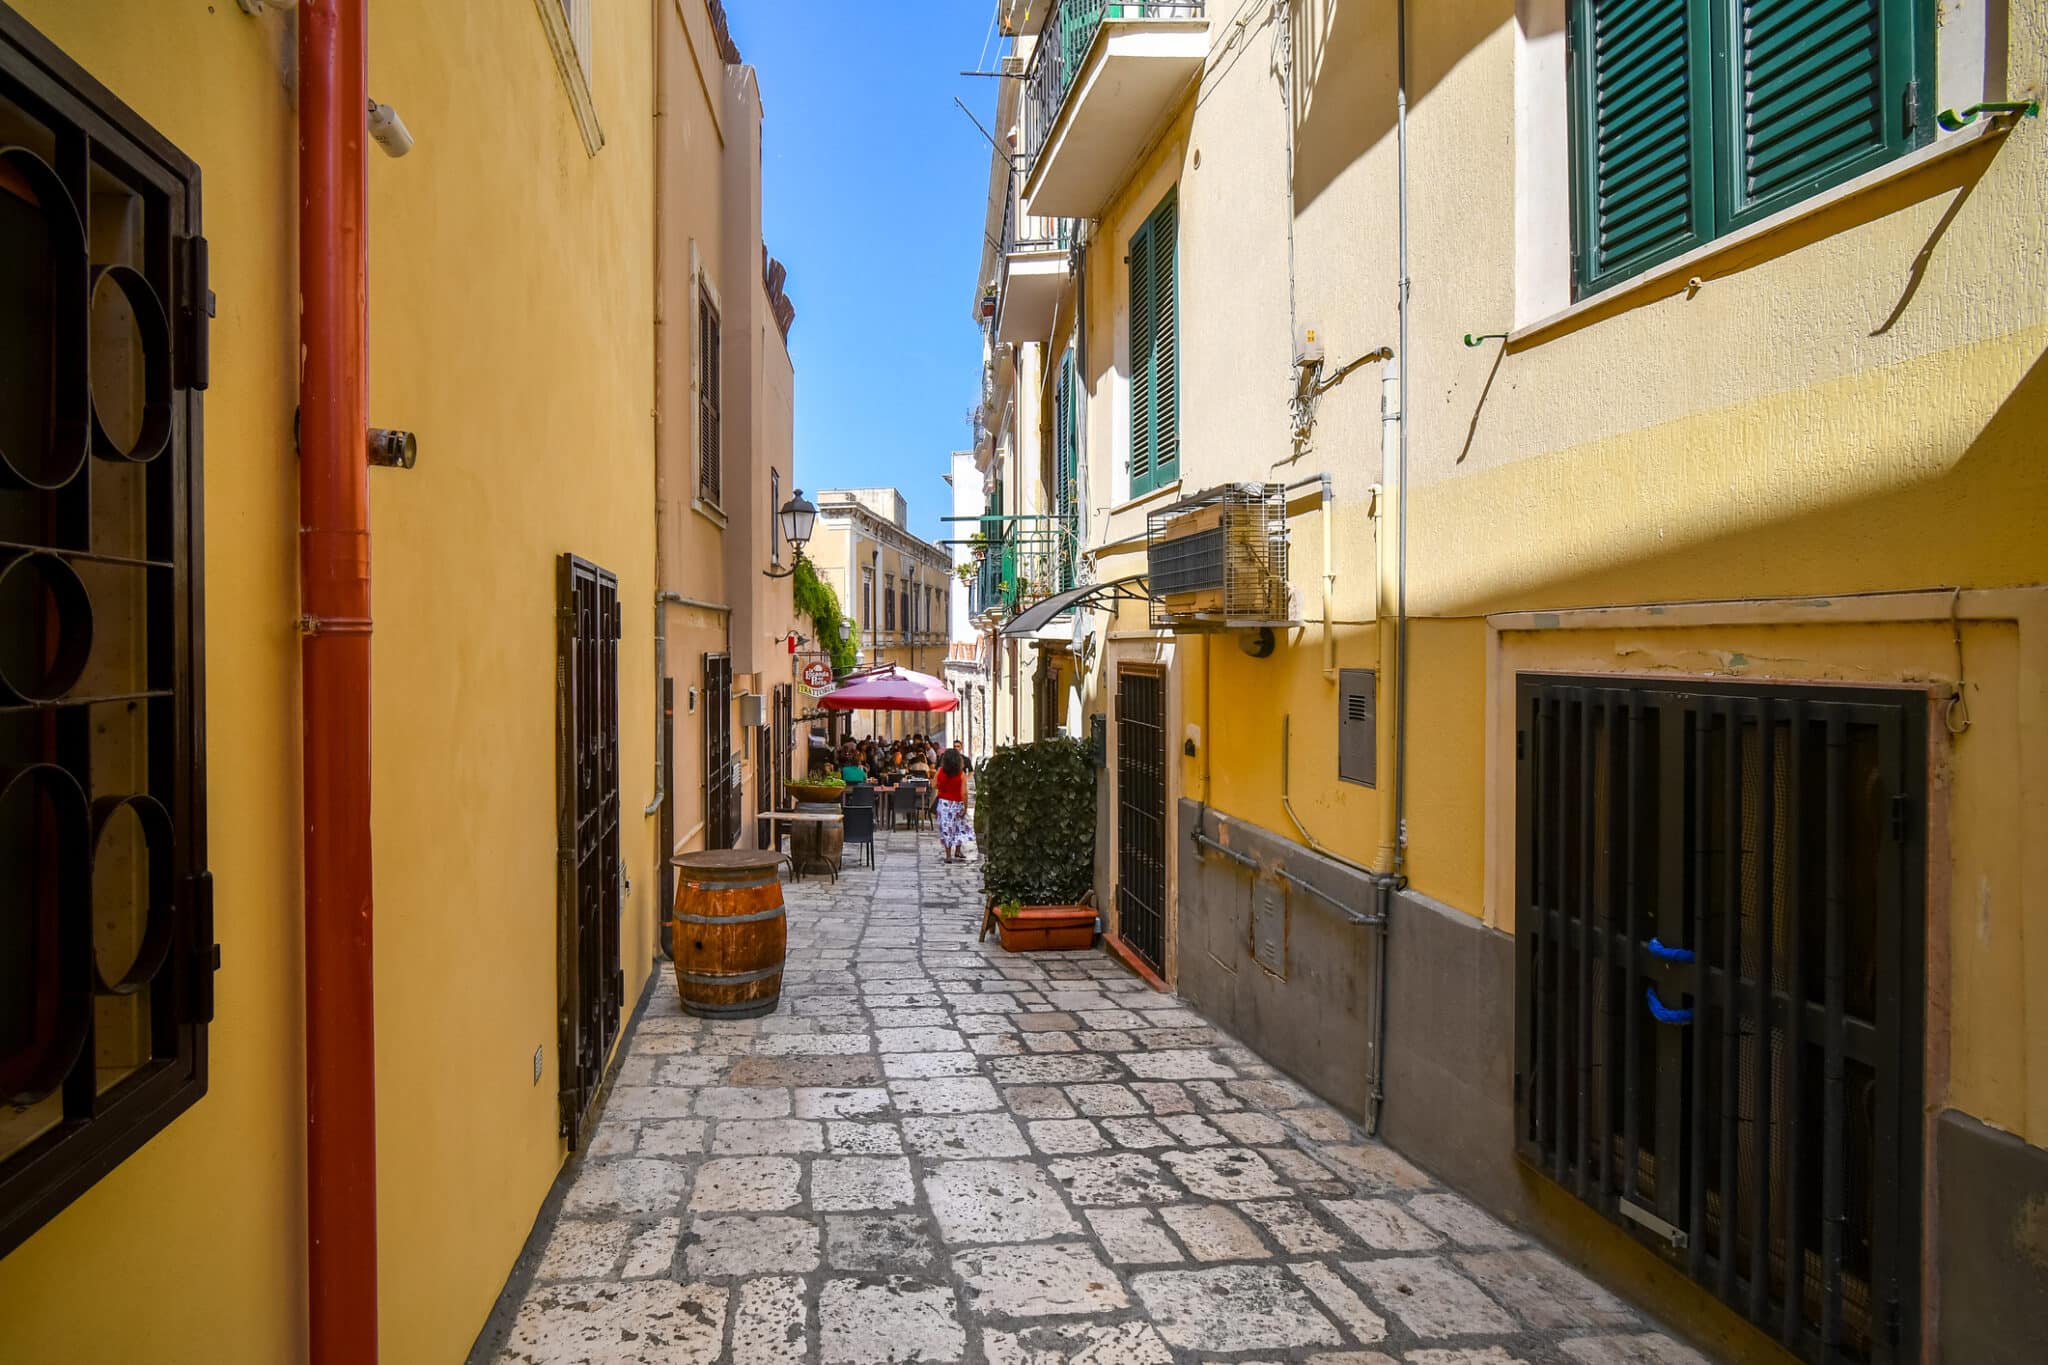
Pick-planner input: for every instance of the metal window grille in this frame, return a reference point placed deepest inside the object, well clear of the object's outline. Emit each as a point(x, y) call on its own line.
point(1219, 558)
point(1719, 923)
point(888, 601)
point(774, 516)
point(710, 457)
point(106, 912)
point(591, 986)
point(1141, 814)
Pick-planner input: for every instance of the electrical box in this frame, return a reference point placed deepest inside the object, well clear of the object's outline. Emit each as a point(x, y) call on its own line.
point(1098, 740)
point(1308, 347)
point(753, 709)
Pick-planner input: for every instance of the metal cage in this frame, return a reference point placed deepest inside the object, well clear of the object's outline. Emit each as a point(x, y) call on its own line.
point(1218, 560)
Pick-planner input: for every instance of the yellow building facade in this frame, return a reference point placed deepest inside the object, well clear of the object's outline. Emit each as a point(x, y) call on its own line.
point(527, 291)
point(1770, 474)
point(892, 585)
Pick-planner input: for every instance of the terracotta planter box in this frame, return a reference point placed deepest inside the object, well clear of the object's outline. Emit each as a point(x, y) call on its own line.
point(1047, 928)
point(817, 795)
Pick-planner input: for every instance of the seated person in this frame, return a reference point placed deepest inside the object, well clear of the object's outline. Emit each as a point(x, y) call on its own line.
point(851, 769)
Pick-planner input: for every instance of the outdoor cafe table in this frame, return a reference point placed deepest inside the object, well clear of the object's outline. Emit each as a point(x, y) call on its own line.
point(802, 817)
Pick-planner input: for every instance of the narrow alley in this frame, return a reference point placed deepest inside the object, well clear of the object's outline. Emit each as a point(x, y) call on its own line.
point(936, 1151)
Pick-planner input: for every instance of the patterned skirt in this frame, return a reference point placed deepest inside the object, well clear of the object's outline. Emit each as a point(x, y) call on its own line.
point(953, 827)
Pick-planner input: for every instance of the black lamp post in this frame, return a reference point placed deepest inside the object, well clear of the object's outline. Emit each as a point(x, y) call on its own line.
point(797, 516)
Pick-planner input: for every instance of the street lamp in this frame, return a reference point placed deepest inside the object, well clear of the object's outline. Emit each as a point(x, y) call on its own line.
point(797, 516)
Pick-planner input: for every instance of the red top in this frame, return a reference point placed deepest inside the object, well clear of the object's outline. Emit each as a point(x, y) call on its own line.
point(952, 788)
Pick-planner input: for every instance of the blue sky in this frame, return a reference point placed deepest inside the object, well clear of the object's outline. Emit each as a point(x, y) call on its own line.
point(873, 190)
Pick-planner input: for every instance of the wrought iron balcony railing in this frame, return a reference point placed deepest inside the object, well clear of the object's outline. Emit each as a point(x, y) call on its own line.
point(1022, 232)
point(1023, 559)
point(1063, 45)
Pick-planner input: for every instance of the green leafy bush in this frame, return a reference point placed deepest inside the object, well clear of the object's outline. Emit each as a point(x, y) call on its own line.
point(815, 599)
point(1035, 815)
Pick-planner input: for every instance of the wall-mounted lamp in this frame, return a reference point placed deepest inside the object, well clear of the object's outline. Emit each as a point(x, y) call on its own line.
point(797, 516)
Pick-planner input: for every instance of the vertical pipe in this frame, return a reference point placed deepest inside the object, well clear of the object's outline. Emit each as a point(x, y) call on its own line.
point(1401, 549)
point(334, 578)
point(660, 477)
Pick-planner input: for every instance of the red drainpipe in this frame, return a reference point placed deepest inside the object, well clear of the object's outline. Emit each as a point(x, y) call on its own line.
point(334, 589)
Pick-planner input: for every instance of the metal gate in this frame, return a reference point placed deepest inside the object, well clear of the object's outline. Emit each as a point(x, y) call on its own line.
point(1719, 987)
point(775, 743)
point(590, 985)
point(1141, 814)
point(721, 764)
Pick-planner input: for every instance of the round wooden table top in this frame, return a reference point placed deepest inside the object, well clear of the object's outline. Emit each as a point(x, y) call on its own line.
point(728, 859)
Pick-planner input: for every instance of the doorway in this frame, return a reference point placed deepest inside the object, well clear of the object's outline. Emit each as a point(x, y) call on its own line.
point(1141, 814)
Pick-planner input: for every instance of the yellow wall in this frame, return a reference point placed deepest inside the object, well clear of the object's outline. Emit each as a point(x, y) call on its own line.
point(527, 381)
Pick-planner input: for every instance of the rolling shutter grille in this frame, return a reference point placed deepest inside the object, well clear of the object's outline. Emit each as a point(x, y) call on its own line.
point(709, 458)
point(1646, 122)
point(1142, 340)
point(1812, 90)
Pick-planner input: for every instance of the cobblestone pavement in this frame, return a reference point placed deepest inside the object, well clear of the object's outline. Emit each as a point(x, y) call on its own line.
point(936, 1151)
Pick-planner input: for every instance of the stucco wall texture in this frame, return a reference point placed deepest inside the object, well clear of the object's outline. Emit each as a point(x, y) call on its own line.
point(511, 329)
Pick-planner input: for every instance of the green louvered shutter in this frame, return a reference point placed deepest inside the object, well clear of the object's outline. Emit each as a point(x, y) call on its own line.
point(1064, 471)
point(1643, 113)
point(1823, 92)
point(1143, 338)
point(1166, 342)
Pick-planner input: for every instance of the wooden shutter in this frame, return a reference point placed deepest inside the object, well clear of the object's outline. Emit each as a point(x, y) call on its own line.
point(709, 458)
point(1823, 92)
point(1643, 111)
point(1166, 342)
point(1064, 495)
point(1140, 265)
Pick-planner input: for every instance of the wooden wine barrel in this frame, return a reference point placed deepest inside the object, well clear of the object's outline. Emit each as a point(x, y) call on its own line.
point(729, 932)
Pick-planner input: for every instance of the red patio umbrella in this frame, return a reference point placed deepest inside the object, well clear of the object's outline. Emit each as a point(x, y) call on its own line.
point(890, 688)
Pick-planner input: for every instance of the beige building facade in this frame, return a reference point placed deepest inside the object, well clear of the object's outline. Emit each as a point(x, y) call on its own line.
point(892, 585)
point(1535, 468)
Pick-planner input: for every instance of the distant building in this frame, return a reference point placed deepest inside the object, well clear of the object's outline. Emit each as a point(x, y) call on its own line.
point(891, 584)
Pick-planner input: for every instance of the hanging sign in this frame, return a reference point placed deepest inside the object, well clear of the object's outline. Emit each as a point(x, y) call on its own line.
point(817, 676)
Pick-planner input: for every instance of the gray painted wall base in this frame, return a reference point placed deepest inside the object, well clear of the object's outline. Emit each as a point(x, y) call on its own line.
point(1992, 1244)
point(1304, 1001)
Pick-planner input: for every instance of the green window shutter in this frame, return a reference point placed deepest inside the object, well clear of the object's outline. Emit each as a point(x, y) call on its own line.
point(1142, 341)
point(1642, 141)
point(1064, 471)
point(1166, 341)
point(1823, 91)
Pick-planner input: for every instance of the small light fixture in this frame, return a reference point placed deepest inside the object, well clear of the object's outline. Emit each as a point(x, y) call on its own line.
point(797, 516)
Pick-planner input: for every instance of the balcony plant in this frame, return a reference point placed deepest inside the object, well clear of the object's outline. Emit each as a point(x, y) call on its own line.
point(1035, 816)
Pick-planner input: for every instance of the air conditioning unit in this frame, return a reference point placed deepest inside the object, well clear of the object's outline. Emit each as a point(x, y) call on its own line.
point(1013, 64)
point(1218, 560)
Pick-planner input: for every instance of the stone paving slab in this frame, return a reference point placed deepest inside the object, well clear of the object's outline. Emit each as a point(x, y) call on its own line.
point(936, 1151)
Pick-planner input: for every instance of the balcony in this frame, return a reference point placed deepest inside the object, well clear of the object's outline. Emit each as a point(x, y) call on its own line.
point(1027, 559)
point(1103, 78)
point(1033, 270)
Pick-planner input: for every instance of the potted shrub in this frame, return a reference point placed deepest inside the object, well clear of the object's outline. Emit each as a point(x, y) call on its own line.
point(1035, 818)
point(823, 788)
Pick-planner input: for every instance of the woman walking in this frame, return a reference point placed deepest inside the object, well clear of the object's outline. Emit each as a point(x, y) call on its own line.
point(950, 785)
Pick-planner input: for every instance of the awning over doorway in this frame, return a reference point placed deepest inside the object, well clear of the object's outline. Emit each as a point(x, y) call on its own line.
point(1035, 617)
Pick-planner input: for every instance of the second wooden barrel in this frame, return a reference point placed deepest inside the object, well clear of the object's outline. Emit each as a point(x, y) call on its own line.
point(729, 933)
point(820, 841)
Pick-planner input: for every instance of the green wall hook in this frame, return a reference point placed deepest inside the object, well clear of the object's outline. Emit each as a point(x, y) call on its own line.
point(1471, 340)
point(1952, 122)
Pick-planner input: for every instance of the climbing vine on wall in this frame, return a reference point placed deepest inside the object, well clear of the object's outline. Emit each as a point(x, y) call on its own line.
point(815, 599)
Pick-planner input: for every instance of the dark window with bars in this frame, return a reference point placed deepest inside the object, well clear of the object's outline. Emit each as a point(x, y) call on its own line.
point(888, 601)
point(1693, 118)
point(1719, 987)
point(1154, 265)
point(710, 457)
point(590, 984)
point(106, 919)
